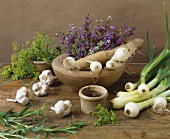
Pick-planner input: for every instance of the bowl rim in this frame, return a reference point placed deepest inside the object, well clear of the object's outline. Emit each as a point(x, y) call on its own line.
point(83, 74)
point(92, 87)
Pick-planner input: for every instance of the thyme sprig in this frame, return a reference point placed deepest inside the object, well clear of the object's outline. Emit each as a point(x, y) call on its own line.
point(17, 125)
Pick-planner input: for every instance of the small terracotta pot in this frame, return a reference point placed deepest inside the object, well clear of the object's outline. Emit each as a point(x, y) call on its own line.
point(42, 65)
point(91, 96)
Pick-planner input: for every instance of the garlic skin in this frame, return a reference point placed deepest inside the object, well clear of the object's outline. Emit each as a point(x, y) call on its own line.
point(62, 108)
point(40, 88)
point(95, 66)
point(21, 96)
point(47, 77)
point(69, 63)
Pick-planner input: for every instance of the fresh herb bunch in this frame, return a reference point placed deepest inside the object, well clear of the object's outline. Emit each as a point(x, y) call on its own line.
point(28, 121)
point(104, 116)
point(82, 42)
point(21, 60)
point(21, 65)
point(40, 48)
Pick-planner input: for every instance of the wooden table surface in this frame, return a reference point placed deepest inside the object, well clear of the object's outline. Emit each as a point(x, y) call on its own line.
point(146, 125)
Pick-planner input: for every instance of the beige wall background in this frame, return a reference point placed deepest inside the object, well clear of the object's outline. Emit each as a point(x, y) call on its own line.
point(19, 19)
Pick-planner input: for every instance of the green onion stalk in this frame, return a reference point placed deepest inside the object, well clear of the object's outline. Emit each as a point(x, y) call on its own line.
point(132, 109)
point(162, 73)
point(120, 102)
point(155, 63)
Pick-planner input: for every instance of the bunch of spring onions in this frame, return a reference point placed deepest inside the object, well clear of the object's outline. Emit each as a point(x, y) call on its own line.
point(154, 82)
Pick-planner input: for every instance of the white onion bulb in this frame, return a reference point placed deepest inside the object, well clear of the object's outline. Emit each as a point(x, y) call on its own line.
point(69, 63)
point(131, 109)
point(129, 86)
point(159, 105)
point(121, 55)
point(143, 88)
point(95, 66)
point(110, 64)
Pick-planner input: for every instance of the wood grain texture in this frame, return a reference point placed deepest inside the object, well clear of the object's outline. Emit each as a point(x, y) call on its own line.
point(146, 125)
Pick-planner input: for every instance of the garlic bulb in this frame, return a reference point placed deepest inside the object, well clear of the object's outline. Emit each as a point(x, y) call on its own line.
point(69, 63)
point(95, 66)
point(62, 108)
point(40, 88)
point(47, 77)
point(21, 96)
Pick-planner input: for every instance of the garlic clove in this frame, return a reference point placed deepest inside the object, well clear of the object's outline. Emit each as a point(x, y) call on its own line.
point(35, 87)
point(59, 110)
point(24, 89)
point(68, 103)
point(24, 101)
point(60, 102)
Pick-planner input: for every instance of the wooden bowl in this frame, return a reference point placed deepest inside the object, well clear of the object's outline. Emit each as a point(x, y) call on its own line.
point(78, 79)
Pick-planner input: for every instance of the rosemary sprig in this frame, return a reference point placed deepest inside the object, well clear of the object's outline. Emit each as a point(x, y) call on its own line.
point(24, 122)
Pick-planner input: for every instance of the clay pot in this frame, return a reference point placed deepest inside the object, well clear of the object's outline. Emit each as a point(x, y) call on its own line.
point(42, 65)
point(78, 79)
point(91, 96)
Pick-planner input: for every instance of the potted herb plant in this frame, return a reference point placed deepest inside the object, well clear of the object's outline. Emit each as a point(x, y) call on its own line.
point(87, 44)
point(41, 52)
point(22, 64)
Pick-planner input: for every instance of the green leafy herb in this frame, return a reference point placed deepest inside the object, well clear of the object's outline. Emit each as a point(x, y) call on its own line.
point(104, 116)
point(21, 60)
point(28, 121)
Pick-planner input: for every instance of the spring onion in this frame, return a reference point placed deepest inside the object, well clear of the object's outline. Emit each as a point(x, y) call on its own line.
point(132, 109)
point(156, 62)
point(120, 102)
point(162, 73)
point(159, 105)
